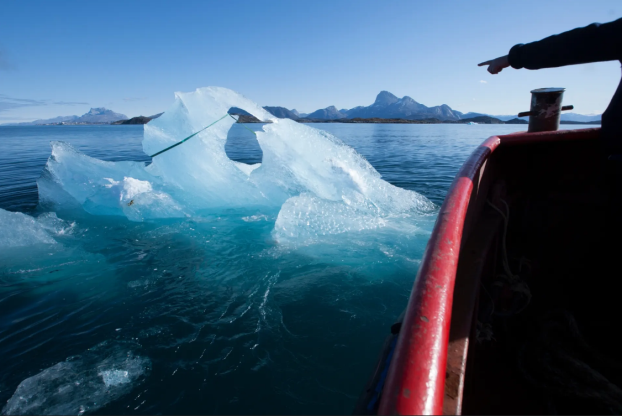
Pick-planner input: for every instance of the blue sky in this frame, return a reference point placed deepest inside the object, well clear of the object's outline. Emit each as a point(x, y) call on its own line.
point(61, 58)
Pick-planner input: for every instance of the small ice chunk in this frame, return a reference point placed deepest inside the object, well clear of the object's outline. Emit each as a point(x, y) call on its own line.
point(81, 384)
point(21, 230)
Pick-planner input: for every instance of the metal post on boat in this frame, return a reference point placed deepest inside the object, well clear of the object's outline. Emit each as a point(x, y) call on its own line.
point(546, 107)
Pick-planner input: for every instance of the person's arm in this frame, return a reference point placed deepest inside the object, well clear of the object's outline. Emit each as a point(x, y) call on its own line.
point(594, 43)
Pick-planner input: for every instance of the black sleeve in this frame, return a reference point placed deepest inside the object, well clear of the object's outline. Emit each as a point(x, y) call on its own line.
point(594, 43)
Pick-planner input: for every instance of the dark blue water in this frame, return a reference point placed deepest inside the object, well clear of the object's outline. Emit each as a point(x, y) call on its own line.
point(229, 321)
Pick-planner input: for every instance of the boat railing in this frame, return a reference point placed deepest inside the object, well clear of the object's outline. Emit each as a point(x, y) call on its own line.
point(415, 383)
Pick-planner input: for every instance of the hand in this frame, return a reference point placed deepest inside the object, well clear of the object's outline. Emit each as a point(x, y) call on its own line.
point(496, 65)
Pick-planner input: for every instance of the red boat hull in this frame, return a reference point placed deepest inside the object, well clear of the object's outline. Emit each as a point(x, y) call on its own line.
point(427, 371)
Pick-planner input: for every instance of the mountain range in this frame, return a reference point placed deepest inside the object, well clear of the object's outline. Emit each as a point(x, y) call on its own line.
point(386, 106)
point(98, 115)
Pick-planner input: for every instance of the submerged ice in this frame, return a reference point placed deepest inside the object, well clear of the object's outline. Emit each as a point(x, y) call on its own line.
point(320, 185)
point(82, 383)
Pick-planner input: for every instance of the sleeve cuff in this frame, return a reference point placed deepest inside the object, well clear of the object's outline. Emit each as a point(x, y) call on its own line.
point(514, 56)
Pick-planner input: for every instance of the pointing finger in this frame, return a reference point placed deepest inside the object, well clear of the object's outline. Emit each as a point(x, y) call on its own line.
point(485, 63)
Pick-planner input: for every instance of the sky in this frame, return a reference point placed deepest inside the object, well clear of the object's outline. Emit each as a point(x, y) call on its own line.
point(62, 58)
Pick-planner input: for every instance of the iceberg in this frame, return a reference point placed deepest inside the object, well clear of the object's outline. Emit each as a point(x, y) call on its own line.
point(319, 184)
point(82, 383)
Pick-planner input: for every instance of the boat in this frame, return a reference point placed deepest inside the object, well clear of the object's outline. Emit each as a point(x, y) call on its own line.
point(514, 304)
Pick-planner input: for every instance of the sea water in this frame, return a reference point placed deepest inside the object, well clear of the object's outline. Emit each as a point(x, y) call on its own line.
point(207, 313)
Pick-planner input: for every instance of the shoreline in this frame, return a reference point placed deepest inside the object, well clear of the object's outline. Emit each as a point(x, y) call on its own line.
point(245, 119)
point(253, 120)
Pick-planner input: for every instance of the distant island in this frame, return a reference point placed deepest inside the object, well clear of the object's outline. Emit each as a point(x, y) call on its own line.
point(137, 120)
point(387, 108)
point(99, 115)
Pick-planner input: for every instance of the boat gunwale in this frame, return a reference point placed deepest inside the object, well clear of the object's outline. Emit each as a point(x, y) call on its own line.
point(415, 382)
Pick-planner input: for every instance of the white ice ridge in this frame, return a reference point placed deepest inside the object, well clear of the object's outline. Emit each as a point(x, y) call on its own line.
point(322, 185)
point(82, 383)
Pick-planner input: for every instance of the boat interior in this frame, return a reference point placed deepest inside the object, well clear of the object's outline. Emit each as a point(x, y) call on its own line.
point(535, 303)
point(535, 307)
